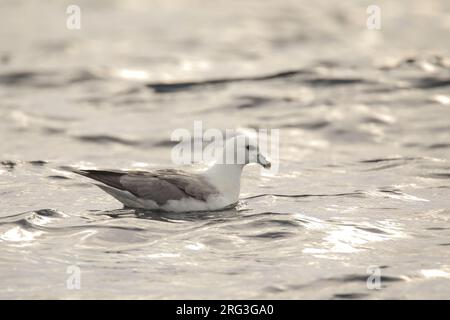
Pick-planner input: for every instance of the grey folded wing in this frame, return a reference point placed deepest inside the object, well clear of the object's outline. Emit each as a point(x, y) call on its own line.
point(159, 185)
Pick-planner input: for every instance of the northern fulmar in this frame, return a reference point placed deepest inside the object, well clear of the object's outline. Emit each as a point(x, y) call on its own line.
point(175, 190)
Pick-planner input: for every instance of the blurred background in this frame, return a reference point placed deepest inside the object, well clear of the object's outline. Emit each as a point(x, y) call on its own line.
point(364, 119)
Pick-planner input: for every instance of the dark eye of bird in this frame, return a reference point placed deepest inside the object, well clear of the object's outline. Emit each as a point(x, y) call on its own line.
point(247, 147)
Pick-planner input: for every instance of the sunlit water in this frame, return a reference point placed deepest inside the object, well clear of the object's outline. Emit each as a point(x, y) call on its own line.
point(365, 140)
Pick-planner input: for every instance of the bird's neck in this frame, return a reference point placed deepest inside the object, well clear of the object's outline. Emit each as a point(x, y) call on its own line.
point(227, 178)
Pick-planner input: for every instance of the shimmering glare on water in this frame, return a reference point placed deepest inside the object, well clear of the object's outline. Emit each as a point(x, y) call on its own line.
point(365, 141)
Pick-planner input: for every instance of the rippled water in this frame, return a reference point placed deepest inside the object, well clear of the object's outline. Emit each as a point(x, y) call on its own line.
point(365, 142)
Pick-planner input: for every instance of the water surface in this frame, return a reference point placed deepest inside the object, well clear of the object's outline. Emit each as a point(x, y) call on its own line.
point(364, 117)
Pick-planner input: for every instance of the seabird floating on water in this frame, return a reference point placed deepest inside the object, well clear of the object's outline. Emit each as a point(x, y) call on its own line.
point(180, 191)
